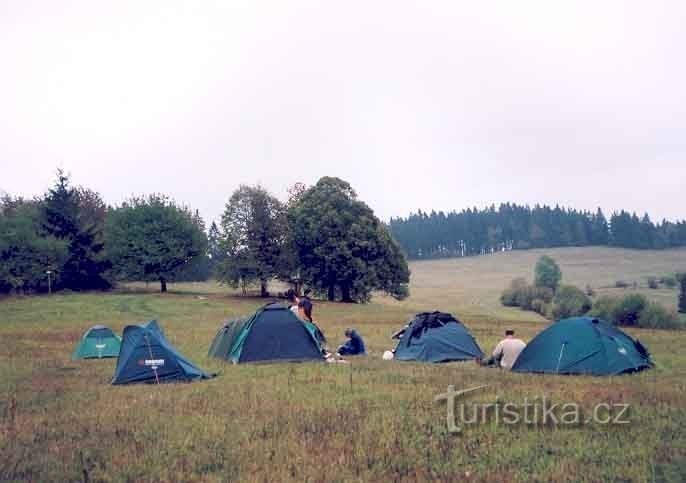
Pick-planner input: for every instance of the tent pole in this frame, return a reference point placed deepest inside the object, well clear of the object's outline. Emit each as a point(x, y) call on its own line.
point(154, 368)
point(559, 359)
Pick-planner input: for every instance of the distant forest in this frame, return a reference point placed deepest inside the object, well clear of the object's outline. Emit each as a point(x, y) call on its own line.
point(515, 227)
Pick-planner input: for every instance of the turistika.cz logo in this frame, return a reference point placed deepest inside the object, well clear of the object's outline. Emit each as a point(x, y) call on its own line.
point(536, 411)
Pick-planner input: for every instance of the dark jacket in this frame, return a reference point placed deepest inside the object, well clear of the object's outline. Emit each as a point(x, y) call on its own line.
point(353, 346)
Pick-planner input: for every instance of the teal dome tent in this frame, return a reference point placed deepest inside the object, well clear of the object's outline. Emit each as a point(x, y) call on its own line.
point(583, 345)
point(96, 343)
point(436, 337)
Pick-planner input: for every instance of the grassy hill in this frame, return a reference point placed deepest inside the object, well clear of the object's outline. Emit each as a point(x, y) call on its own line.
point(370, 420)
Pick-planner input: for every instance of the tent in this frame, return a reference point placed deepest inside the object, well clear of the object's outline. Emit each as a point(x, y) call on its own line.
point(583, 345)
point(97, 342)
point(273, 333)
point(147, 356)
point(436, 337)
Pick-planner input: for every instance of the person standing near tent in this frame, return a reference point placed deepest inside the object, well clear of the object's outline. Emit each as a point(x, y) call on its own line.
point(507, 350)
point(305, 313)
point(353, 346)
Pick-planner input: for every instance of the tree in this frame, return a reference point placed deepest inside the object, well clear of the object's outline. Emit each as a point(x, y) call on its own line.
point(682, 292)
point(153, 239)
point(547, 273)
point(342, 248)
point(253, 234)
point(26, 253)
point(76, 216)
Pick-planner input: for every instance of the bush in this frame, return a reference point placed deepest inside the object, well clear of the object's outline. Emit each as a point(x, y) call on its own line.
point(629, 310)
point(668, 281)
point(621, 284)
point(589, 291)
point(526, 296)
point(653, 282)
point(655, 316)
point(541, 307)
point(570, 301)
point(681, 277)
point(604, 308)
point(510, 295)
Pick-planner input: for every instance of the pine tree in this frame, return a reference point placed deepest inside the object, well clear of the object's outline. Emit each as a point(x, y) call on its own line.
point(69, 215)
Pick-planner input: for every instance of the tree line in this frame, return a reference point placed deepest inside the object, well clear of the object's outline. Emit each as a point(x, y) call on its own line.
point(323, 237)
point(511, 227)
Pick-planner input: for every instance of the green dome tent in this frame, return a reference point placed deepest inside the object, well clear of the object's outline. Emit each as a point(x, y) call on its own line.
point(271, 334)
point(436, 337)
point(583, 345)
point(96, 343)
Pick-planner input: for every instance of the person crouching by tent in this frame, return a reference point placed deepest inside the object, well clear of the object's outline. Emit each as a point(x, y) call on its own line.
point(292, 301)
point(353, 346)
point(506, 352)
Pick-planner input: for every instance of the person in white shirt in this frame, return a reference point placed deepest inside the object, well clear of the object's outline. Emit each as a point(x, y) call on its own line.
point(508, 350)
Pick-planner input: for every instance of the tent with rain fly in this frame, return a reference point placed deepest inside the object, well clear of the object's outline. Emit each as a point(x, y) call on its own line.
point(96, 343)
point(436, 337)
point(583, 345)
point(271, 334)
point(147, 356)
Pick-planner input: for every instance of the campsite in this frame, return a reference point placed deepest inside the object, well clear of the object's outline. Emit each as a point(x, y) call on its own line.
point(306, 241)
point(369, 420)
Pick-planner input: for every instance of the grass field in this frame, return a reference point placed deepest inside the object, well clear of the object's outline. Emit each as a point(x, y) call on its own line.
point(369, 420)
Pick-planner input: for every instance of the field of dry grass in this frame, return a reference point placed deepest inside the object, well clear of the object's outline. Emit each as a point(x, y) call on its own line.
point(367, 421)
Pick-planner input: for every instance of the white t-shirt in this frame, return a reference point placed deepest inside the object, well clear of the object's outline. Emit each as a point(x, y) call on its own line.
point(294, 309)
point(510, 349)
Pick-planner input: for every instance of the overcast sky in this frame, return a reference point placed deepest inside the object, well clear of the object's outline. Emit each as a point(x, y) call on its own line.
point(418, 104)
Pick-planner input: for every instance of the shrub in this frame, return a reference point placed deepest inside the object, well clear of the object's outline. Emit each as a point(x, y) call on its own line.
point(621, 284)
point(589, 291)
point(526, 296)
point(605, 307)
point(682, 292)
point(509, 295)
point(629, 310)
point(569, 301)
point(655, 316)
point(653, 282)
point(541, 307)
point(668, 281)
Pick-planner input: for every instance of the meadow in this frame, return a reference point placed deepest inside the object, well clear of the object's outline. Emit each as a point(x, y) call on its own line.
point(370, 420)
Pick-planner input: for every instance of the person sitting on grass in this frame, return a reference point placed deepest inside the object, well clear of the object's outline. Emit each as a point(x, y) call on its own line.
point(354, 345)
point(506, 352)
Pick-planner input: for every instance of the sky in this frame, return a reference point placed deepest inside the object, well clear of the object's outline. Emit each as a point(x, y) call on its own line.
point(419, 105)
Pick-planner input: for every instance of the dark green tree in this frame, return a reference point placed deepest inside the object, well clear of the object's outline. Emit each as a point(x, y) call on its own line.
point(76, 216)
point(25, 252)
point(547, 273)
point(253, 234)
point(214, 249)
point(343, 249)
point(153, 238)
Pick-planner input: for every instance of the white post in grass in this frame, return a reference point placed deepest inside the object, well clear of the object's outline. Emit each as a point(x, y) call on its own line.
point(49, 273)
